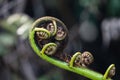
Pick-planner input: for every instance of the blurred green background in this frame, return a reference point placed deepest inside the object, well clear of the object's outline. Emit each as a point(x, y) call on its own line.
point(94, 26)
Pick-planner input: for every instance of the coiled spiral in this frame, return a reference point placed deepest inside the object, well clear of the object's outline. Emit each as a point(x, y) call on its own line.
point(51, 35)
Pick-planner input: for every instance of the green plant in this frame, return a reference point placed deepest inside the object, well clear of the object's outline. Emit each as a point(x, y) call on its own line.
point(48, 38)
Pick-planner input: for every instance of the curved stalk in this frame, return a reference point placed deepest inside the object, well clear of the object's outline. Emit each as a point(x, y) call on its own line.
point(93, 75)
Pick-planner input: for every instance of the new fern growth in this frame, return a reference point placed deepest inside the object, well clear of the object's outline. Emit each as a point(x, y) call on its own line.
point(48, 37)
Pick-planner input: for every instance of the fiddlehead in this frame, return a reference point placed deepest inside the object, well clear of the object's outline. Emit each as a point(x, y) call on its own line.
point(110, 72)
point(48, 38)
point(50, 35)
point(49, 49)
point(87, 58)
point(83, 60)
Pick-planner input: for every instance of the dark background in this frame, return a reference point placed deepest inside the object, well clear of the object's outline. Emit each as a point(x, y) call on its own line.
point(93, 25)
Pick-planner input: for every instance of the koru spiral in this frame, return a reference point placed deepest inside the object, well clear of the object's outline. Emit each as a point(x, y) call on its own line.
point(48, 38)
point(51, 37)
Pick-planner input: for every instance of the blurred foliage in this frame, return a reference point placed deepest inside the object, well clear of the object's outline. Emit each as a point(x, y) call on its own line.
point(113, 8)
point(6, 42)
point(15, 25)
point(53, 75)
point(93, 26)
